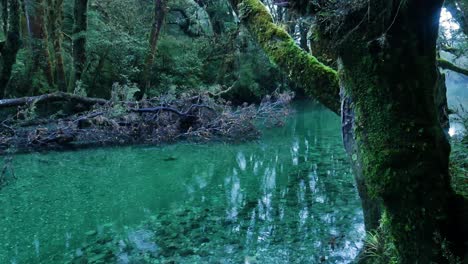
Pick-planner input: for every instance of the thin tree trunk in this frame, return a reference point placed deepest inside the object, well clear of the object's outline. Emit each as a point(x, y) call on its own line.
point(26, 24)
point(159, 14)
point(40, 43)
point(5, 16)
point(290, 23)
point(79, 38)
point(303, 31)
point(57, 38)
point(12, 45)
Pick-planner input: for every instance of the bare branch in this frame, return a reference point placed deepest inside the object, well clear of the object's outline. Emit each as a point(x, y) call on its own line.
point(53, 97)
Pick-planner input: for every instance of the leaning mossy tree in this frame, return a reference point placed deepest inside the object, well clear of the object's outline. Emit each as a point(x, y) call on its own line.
point(387, 78)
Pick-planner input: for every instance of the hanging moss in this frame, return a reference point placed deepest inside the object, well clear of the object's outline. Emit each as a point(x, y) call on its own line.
point(318, 80)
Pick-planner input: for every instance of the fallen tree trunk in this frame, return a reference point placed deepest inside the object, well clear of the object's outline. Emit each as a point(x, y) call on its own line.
point(53, 97)
point(157, 109)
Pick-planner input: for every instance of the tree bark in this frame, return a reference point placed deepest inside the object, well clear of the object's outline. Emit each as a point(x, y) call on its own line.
point(80, 27)
point(401, 146)
point(40, 43)
point(5, 16)
point(56, 18)
point(159, 14)
point(12, 45)
point(53, 97)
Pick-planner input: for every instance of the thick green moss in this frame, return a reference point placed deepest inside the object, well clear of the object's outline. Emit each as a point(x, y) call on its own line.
point(402, 149)
point(318, 80)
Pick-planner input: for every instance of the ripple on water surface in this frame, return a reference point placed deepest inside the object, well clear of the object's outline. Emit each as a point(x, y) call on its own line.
point(287, 198)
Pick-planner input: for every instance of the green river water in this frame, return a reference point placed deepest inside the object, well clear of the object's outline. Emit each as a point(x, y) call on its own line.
point(288, 197)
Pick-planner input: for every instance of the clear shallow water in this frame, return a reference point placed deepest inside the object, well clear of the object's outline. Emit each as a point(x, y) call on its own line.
point(287, 198)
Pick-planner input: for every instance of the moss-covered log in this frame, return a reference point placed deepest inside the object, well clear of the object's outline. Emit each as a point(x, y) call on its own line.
point(318, 80)
point(53, 97)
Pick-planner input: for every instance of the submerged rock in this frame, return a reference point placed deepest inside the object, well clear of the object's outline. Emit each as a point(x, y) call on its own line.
point(143, 240)
point(170, 159)
point(91, 233)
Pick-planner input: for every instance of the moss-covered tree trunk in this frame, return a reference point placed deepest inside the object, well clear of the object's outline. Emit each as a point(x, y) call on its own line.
point(392, 81)
point(11, 47)
point(80, 26)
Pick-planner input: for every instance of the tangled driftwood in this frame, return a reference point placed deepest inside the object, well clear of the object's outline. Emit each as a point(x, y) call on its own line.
point(106, 123)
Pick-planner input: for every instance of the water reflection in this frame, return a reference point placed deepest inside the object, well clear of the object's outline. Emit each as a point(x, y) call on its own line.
point(288, 198)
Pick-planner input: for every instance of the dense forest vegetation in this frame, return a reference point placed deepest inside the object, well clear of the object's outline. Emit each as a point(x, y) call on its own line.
point(79, 73)
point(83, 47)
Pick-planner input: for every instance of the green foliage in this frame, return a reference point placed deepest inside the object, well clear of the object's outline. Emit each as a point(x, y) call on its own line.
point(178, 64)
point(19, 84)
point(459, 154)
point(194, 52)
point(39, 82)
point(80, 88)
point(124, 92)
point(379, 247)
point(446, 251)
point(118, 39)
point(116, 44)
point(30, 112)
